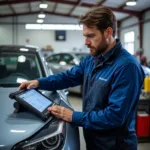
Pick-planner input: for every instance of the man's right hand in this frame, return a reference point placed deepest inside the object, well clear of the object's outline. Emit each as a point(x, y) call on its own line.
point(29, 84)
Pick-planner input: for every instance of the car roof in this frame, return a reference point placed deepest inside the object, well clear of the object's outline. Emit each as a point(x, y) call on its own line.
point(16, 48)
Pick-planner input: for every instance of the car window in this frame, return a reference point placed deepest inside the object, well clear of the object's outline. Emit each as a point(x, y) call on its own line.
point(54, 59)
point(81, 56)
point(16, 67)
point(67, 58)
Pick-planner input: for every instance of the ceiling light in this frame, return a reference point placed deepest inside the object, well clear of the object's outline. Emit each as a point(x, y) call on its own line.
point(33, 26)
point(41, 15)
point(43, 5)
point(53, 27)
point(39, 21)
point(131, 3)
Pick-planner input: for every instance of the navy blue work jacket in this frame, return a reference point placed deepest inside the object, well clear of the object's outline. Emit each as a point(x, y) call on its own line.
point(111, 89)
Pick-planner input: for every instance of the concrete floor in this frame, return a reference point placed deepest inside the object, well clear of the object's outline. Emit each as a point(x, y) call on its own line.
point(76, 102)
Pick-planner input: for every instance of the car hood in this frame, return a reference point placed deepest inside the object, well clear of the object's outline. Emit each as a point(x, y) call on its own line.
point(15, 127)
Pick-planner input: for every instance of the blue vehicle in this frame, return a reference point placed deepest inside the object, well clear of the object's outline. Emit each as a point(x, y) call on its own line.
point(24, 130)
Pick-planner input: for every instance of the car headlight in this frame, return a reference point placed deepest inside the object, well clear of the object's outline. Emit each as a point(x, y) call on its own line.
point(52, 141)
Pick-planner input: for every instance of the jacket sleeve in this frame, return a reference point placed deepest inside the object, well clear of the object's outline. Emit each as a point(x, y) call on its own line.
point(122, 101)
point(70, 78)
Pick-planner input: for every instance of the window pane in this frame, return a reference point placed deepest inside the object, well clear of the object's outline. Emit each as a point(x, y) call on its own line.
point(67, 58)
point(129, 37)
point(130, 48)
point(129, 42)
point(19, 66)
point(54, 59)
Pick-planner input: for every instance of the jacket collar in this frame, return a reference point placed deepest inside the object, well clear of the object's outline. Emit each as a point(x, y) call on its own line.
point(113, 53)
point(110, 56)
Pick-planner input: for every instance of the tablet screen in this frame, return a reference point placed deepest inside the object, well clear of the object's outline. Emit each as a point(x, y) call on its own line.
point(35, 99)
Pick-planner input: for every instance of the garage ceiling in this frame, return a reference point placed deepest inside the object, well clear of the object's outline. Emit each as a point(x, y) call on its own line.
point(70, 8)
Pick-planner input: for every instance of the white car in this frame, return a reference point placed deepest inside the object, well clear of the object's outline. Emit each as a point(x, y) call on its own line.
point(146, 70)
point(61, 62)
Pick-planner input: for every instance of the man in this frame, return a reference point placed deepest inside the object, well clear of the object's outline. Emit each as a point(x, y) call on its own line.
point(112, 81)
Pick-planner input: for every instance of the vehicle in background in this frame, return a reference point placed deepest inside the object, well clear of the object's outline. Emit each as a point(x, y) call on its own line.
point(146, 70)
point(25, 130)
point(61, 62)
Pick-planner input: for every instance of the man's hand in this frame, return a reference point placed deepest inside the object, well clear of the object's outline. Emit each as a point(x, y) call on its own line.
point(61, 112)
point(29, 84)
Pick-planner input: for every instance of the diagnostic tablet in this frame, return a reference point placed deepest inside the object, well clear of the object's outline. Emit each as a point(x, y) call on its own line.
point(34, 101)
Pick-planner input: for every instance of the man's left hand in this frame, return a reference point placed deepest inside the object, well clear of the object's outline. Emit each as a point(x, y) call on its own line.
point(61, 112)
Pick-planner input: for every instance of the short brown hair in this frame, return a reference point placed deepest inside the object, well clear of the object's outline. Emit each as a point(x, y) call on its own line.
point(100, 16)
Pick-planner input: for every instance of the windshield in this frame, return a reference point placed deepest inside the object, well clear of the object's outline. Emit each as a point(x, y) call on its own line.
point(81, 56)
point(16, 68)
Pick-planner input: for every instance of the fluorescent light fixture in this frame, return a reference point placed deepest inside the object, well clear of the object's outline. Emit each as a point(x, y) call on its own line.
point(53, 27)
point(131, 3)
point(43, 5)
point(33, 26)
point(24, 49)
point(39, 21)
point(42, 15)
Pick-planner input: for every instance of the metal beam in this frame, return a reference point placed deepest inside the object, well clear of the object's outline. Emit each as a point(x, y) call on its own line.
point(37, 12)
point(130, 12)
point(133, 13)
point(12, 9)
point(143, 21)
point(122, 5)
point(27, 1)
point(145, 10)
point(16, 2)
point(29, 6)
point(140, 31)
point(134, 24)
point(79, 2)
point(73, 8)
point(55, 6)
point(60, 14)
point(101, 2)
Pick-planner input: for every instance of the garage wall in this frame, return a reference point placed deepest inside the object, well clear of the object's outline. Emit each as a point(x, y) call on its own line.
point(12, 31)
point(47, 37)
point(146, 32)
point(146, 35)
point(6, 34)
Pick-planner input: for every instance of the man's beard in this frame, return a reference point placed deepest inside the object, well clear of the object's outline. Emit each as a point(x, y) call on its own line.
point(101, 48)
